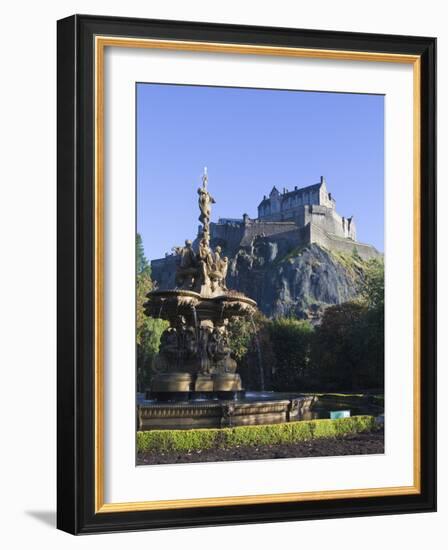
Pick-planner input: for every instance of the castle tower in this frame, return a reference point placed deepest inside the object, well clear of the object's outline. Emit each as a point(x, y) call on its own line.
point(325, 198)
point(274, 197)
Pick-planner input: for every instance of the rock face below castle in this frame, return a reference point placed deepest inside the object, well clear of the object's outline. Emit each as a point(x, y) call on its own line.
point(296, 258)
point(299, 283)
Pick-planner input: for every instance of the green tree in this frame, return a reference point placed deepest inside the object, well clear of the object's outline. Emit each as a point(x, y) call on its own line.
point(144, 285)
point(241, 332)
point(372, 294)
point(142, 263)
point(147, 348)
point(148, 329)
point(348, 347)
point(338, 350)
point(372, 287)
point(291, 341)
point(251, 347)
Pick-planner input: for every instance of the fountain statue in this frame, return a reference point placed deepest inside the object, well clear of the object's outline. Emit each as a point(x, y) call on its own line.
point(195, 355)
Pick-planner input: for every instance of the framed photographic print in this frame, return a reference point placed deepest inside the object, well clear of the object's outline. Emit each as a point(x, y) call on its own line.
point(246, 274)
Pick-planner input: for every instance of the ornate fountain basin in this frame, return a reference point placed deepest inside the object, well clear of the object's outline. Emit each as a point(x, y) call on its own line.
point(170, 304)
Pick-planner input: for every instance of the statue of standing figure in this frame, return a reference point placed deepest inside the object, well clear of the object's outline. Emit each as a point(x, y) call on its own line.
point(205, 201)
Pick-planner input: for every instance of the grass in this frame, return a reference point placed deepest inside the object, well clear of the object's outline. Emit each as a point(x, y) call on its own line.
point(165, 441)
point(353, 261)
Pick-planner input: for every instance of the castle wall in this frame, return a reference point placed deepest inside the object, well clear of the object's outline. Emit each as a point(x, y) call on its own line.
point(327, 219)
point(163, 272)
point(228, 234)
point(232, 236)
point(333, 230)
point(290, 239)
point(324, 216)
point(332, 242)
point(255, 228)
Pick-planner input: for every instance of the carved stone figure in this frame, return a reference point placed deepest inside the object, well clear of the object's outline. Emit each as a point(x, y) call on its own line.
point(225, 362)
point(221, 265)
point(187, 270)
point(205, 263)
point(169, 343)
point(213, 345)
point(190, 343)
point(203, 349)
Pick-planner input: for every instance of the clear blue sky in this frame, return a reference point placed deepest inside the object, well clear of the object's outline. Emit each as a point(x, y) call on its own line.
point(250, 140)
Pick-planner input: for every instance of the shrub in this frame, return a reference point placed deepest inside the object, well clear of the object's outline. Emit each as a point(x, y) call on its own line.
point(348, 347)
point(165, 441)
point(291, 340)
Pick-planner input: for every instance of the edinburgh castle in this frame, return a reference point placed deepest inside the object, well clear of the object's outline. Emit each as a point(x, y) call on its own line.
point(290, 219)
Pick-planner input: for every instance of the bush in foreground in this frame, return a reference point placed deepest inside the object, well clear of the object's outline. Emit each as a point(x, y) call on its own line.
point(163, 441)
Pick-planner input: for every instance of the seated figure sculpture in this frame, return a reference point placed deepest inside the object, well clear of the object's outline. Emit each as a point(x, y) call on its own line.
point(187, 268)
point(205, 270)
point(219, 270)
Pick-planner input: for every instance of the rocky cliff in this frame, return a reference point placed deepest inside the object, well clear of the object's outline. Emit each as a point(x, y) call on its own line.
point(286, 281)
point(300, 282)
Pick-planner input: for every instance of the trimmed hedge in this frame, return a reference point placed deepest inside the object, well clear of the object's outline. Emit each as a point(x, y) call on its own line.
point(165, 441)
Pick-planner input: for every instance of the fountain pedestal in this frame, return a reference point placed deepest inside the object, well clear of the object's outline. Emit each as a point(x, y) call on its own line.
point(204, 383)
point(185, 385)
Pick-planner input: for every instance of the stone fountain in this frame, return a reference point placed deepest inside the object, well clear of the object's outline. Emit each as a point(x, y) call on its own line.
point(194, 382)
point(195, 356)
